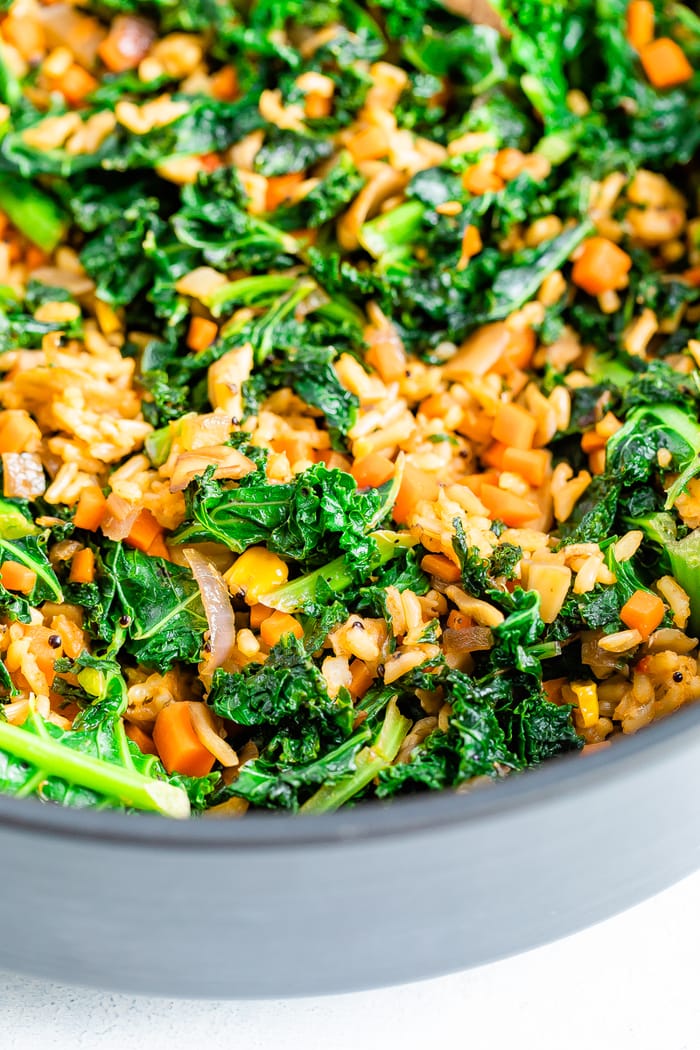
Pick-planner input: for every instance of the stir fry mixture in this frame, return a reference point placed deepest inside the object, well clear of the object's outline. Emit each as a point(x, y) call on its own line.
point(349, 366)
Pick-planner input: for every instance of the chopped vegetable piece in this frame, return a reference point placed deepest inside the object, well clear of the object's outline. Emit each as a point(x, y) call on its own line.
point(82, 569)
point(507, 507)
point(372, 470)
point(17, 577)
point(276, 625)
point(202, 333)
point(643, 612)
point(514, 426)
point(665, 63)
point(601, 267)
point(179, 748)
point(640, 23)
point(144, 532)
point(91, 509)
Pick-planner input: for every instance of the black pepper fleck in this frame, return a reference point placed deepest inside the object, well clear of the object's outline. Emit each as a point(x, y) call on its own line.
point(677, 676)
point(54, 641)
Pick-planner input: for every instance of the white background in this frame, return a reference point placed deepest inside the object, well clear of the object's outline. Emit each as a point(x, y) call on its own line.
point(632, 983)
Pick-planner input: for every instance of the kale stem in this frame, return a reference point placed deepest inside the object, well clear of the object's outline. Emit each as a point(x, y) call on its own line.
point(127, 785)
point(295, 596)
point(33, 212)
point(369, 762)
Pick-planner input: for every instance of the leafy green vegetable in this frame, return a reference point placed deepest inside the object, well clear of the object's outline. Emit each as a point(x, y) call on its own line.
point(318, 514)
point(32, 211)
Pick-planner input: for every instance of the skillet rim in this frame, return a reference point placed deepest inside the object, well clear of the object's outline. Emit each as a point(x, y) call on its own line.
point(541, 788)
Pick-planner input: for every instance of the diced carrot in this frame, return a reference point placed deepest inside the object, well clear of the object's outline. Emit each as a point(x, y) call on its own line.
point(509, 163)
point(17, 577)
point(388, 357)
point(224, 84)
point(531, 464)
point(514, 426)
point(333, 460)
point(601, 267)
point(158, 548)
point(76, 84)
point(478, 179)
point(142, 740)
point(179, 747)
point(592, 440)
point(34, 257)
point(471, 246)
point(202, 333)
point(459, 621)
point(665, 63)
point(416, 485)
point(643, 612)
point(519, 352)
point(640, 23)
point(596, 461)
point(294, 446)
point(211, 161)
point(144, 531)
point(276, 625)
point(280, 189)
point(552, 688)
point(18, 431)
point(436, 405)
point(82, 566)
point(361, 679)
point(317, 105)
point(476, 481)
point(369, 144)
point(15, 247)
point(26, 33)
point(440, 566)
point(507, 507)
point(372, 470)
point(258, 613)
point(91, 509)
point(71, 635)
point(43, 652)
point(692, 276)
point(493, 455)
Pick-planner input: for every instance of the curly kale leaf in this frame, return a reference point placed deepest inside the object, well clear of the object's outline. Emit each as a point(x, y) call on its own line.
point(317, 516)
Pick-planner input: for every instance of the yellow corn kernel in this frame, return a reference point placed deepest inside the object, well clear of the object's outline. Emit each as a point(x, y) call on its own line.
point(586, 694)
point(552, 583)
point(256, 572)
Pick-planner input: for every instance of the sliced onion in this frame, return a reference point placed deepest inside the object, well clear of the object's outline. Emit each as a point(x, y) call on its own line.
point(459, 643)
point(205, 728)
point(22, 475)
point(132, 38)
point(119, 517)
point(63, 551)
point(75, 283)
point(218, 610)
point(229, 463)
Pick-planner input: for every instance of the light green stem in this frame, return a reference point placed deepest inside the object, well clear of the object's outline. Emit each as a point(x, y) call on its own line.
point(129, 786)
point(369, 762)
point(295, 596)
point(32, 211)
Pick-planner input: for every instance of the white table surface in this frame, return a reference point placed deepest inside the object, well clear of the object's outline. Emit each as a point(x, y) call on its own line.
point(631, 983)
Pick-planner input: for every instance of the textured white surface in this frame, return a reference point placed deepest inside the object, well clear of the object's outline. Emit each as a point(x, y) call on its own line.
point(629, 984)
